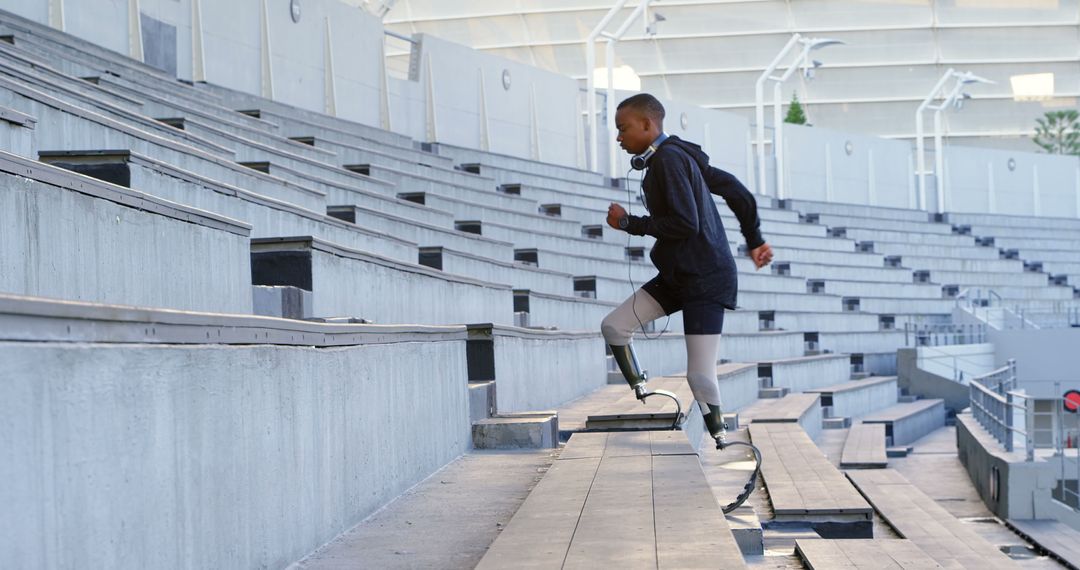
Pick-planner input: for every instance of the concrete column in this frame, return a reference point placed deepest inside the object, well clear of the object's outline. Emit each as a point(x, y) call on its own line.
point(871, 186)
point(384, 88)
point(198, 55)
point(1036, 198)
point(579, 137)
point(828, 173)
point(913, 196)
point(481, 104)
point(266, 55)
point(751, 180)
point(534, 124)
point(429, 117)
point(56, 14)
point(1078, 191)
point(991, 190)
point(329, 89)
point(135, 47)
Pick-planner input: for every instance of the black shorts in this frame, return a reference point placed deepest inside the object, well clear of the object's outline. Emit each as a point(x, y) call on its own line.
point(698, 297)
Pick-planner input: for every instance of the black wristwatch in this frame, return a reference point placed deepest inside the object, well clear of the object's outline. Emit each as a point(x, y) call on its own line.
point(624, 222)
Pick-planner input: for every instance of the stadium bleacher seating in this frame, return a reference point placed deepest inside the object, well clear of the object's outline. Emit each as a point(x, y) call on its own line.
point(133, 201)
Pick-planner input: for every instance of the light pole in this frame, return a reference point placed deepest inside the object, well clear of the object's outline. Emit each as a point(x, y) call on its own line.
point(953, 98)
point(759, 110)
point(809, 45)
point(778, 122)
point(590, 82)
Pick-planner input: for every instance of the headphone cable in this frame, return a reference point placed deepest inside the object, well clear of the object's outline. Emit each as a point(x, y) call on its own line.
point(630, 265)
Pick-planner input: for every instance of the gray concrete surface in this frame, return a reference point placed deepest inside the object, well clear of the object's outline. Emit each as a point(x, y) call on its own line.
point(447, 521)
point(142, 456)
point(76, 239)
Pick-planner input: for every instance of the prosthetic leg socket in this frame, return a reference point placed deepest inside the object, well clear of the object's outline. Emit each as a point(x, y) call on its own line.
point(631, 370)
point(714, 422)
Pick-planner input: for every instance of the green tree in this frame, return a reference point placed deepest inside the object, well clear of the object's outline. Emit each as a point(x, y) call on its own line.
point(1058, 132)
point(795, 114)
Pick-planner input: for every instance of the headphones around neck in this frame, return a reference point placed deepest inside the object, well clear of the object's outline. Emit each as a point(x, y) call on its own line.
point(639, 161)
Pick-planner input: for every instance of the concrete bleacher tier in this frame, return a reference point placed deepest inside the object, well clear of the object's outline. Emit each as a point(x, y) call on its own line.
point(123, 186)
point(856, 398)
point(68, 236)
point(351, 283)
point(909, 421)
point(135, 404)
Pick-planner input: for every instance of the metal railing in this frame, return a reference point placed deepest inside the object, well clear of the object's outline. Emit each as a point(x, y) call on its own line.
point(936, 334)
point(1064, 317)
point(980, 303)
point(995, 403)
point(933, 354)
point(1067, 489)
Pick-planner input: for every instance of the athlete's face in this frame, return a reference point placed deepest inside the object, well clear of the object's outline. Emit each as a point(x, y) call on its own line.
point(636, 130)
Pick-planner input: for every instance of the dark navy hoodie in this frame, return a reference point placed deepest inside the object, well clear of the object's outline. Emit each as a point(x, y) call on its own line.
point(690, 238)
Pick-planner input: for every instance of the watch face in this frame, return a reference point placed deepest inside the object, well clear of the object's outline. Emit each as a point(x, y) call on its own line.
point(624, 222)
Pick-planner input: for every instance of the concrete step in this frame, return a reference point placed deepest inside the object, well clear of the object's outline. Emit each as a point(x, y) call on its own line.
point(803, 373)
point(481, 400)
point(746, 527)
point(913, 237)
point(901, 248)
point(954, 263)
point(525, 430)
point(852, 288)
point(1017, 278)
point(861, 211)
point(861, 342)
point(772, 393)
point(898, 451)
point(1007, 220)
point(835, 423)
point(467, 209)
point(848, 272)
point(894, 305)
point(839, 221)
point(905, 423)
point(856, 398)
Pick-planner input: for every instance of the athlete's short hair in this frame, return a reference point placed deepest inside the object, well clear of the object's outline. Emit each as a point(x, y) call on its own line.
point(647, 104)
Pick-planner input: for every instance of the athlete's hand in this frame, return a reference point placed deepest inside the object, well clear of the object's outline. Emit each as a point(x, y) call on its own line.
point(761, 255)
point(615, 213)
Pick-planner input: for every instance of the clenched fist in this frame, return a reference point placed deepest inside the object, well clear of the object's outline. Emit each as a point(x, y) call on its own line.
point(615, 213)
point(761, 255)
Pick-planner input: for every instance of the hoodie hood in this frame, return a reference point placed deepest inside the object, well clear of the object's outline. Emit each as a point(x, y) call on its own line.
point(693, 150)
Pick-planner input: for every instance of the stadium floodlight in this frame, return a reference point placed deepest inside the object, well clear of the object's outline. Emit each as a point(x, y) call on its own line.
point(651, 26)
point(808, 45)
point(953, 98)
point(809, 69)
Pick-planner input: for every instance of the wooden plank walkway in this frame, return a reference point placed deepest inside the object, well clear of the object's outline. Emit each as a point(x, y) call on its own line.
point(865, 448)
point(624, 499)
point(1059, 540)
point(886, 554)
point(789, 409)
point(918, 518)
point(658, 412)
point(804, 486)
